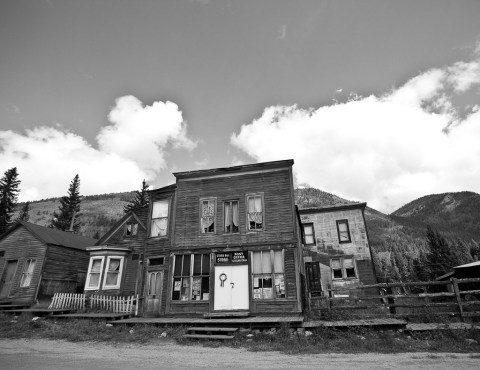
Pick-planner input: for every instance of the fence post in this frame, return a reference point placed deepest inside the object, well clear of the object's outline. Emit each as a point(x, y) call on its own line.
point(457, 297)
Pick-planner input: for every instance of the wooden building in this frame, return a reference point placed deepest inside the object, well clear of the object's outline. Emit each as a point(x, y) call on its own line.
point(336, 248)
point(37, 261)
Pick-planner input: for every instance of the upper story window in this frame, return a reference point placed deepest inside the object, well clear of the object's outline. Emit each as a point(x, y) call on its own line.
point(131, 229)
point(159, 226)
point(255, 217)
point(231, 216)
point(27, 273)
point(309, 234)
point(343, 231)
point(343, 268)
point(207, 215)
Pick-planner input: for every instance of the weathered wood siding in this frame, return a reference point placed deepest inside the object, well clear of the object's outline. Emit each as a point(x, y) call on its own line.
point(21, 245)
point(64, 270)
point(278, 211)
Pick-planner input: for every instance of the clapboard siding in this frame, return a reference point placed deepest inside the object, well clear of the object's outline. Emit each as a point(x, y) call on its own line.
point(21, 245)
point(278, 209)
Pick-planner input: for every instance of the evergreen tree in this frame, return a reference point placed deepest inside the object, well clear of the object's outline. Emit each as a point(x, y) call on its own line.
point(69, 208)
point(141, 198)
point(8, 197)
point(24, 213)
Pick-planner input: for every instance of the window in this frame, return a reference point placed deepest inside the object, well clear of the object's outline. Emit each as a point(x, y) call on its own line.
point(255, 212)
point(268, 275)
point(343, 231)
point(207, 216)
point(156, 261)
point(343, 268)
point(113, 273)
point(191, 278)
point(309, 234)
point(131, 229)
point(27, 273)
point(159, 225)
point(231, 216)
point(94, 271)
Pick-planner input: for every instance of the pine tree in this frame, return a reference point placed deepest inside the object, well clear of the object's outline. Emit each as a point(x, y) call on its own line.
point(24, 213)
point(141, 198)
point(8, 197)
point(69, 208)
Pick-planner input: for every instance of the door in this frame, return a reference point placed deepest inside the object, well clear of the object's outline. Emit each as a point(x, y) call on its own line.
point(313, 278)
point(231, 288)
point(7, 278)
point(154, 292)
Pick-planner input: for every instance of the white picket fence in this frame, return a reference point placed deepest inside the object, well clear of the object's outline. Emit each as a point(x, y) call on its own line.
point(80, 302)
point(68, 300)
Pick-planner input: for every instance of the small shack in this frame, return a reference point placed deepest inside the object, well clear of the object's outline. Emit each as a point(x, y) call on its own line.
point(36, 262)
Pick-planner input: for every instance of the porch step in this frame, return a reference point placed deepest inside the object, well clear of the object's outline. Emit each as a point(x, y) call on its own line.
point(209, 332)
point(226, 314)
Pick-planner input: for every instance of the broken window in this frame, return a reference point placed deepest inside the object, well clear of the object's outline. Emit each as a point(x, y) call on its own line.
point(268, 274)
point(255, 212)
point(191, 277)
point(207, 215)
point(343, 231)
point(27, 273)
point(131, 229)
point(231, 216)
point(343, 268)
point(159, 226)
point(113, 273)
point(309, 234)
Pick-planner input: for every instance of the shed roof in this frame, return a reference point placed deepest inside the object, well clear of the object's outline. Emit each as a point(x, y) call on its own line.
point(471, 264)
point(57, 237)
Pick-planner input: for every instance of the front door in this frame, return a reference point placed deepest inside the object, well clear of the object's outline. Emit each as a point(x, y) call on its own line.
point(231, 288)
point(7, 278)
point(154, 292)
point(313, 278)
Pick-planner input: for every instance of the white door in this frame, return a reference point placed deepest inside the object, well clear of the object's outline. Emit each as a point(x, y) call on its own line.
point(231, 288)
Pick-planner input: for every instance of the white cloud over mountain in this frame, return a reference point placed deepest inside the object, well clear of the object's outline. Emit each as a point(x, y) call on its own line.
point(132, 148)
point(386, 150)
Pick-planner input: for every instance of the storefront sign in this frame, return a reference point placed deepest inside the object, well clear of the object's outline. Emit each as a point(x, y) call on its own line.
point(231, 257)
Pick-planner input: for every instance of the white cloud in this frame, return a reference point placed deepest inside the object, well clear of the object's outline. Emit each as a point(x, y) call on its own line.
point(132, 148)
point(386, 150)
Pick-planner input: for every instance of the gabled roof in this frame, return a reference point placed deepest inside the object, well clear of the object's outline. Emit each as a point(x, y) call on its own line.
point(55, 237)
point(129, 215)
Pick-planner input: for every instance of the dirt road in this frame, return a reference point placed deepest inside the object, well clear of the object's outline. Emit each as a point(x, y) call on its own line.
point(46, 354)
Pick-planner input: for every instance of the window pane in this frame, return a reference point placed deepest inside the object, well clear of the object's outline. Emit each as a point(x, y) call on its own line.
point(112, 278)
point(266, 262)
point(196, 288)
point(337, 274)
point(159, 227)
point(160, 209)
point(178, 265)
point(309, 239)
point(342, 226)
point(197, 264)
point(308, 229)
point(94, 279)
point(184, 292)
point(205, 288)
point(350, 272)
point(279, 286)
point(257, 263)
point(206, 264)
point(114, 264)
point(96, 264)
point(348, 263)
point(186, 265)
point(278, 261)
point(335, 264)
point(228, 217)
point(177, 285)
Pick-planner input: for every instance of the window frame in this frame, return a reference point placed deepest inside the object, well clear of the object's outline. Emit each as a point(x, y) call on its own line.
point(305, 234)
point(134, 229)
point(231, 210)
point(89, 273)
point(152, 219)
point(120, 273)
point(25, 274)
point(190, 276)
point(247, 222)
point(344, 221)
point(273, 275)
point(343, 269)
point(201, 200)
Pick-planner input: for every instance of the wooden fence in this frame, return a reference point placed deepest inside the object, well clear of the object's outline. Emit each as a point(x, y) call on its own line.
point(459, 298)
point(80, 302)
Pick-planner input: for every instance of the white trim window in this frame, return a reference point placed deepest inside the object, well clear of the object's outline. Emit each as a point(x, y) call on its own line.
point(309, 234)
point(255, 219)
point(159, 226)
point(95, 268)
point(27, 273)
point(113, 272)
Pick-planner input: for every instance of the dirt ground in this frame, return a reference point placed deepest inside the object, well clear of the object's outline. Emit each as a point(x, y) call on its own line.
point(47, 354)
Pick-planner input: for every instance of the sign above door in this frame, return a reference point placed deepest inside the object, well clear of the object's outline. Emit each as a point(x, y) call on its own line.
point(231, 257)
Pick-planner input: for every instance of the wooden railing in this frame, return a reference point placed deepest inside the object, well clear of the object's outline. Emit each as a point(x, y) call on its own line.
point(453, 298)
point(80, 302)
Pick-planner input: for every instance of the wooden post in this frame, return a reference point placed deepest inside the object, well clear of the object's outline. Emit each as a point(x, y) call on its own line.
point(457, 297)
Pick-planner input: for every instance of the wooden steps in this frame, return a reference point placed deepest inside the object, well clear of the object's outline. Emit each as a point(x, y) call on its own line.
point(209, 332)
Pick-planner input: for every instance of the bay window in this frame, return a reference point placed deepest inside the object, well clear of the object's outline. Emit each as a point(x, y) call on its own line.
point(94, 272)
point(113, 273)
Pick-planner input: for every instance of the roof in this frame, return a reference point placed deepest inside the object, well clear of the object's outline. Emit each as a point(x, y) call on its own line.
point(57, 237)
point(130, 214)
point(471, 264)
point(331, 208)
point(235, 170)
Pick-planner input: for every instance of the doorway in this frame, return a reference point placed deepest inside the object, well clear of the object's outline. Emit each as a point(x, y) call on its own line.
point(7, 278)
point(153, 299)
point(231, 288)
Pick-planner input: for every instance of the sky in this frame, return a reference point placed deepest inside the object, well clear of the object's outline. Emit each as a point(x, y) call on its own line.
point(376, 101)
